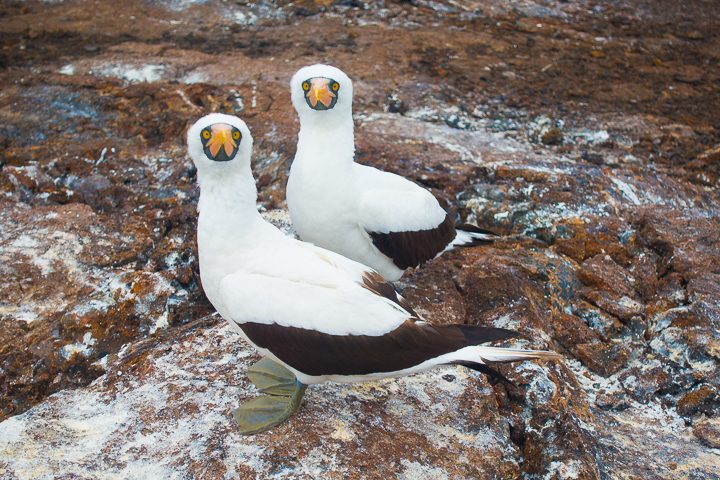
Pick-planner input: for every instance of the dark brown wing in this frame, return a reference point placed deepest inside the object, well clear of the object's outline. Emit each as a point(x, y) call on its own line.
point(316, 353)
point(374, 282)
point(469, 227)
point(413, 248)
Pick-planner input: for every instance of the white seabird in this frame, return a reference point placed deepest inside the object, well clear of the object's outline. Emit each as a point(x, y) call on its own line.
point(322, 316)
point(376, 218)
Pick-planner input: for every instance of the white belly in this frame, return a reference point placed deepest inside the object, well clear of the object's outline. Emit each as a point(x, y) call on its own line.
point(332, 224)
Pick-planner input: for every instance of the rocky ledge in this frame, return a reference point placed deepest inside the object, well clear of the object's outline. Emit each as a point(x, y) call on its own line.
point(585, 132)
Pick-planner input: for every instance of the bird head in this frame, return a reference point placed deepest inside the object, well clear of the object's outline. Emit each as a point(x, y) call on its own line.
point(322, 91)
point(219, 142)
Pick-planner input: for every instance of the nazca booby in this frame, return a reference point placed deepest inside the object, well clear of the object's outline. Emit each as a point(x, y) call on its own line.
point(377, 218)
point(322, 316)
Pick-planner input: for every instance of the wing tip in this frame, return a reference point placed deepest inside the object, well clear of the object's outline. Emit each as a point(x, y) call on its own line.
point(470, 236)
point(479, 334)
point(374, 282)
point(470, 228)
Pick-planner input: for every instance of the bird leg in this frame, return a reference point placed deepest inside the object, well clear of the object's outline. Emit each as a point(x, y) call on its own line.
point(283, 397)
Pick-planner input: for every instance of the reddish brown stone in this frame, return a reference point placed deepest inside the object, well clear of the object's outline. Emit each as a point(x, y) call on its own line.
point(622, 307)
point(701, 400)
point(601, 272)
point(601, 358)
point(708, 431)
point(596, 236)
point(99, 207)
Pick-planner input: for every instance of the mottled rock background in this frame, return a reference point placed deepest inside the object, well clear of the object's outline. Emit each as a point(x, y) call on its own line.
point(588, 132)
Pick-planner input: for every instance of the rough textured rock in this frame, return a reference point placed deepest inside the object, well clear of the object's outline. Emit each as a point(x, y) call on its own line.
point(708, 431)
point(392, 428)
point(586, 132)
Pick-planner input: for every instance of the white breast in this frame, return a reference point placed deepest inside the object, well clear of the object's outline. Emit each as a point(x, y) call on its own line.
point(324, 211)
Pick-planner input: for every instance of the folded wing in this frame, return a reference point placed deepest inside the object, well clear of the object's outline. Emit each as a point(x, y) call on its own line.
point(407, 224)
point(357, 329)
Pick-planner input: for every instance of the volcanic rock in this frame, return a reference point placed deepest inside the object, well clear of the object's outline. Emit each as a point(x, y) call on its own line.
point(600, 171)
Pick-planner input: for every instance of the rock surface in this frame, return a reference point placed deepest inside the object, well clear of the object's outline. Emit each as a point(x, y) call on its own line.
point(586, 132)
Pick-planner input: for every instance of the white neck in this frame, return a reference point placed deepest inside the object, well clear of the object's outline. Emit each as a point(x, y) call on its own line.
point(228, 201)
point(229, 225)
point(329, 144)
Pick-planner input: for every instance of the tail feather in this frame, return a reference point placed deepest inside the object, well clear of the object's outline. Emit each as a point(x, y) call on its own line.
point(496, 354)
point(467, 235)
point(470, 228)
point(477, 356)
point(476, 334)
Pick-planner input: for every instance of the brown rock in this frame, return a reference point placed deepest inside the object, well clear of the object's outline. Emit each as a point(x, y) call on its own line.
point(601, 322)
point(708, 431)
point(98, 212)
point(672, 289)
point(611, 401)
point(690, 74)
point(73, 301)
point(692, 34)
point(595, 237)
point(706, 287)
point(603, 359)
point(601, 272)
point(688, 247)
point(643, 383)
point(701, 400)
point(710, 156)
point(622, 307)
point(553, 136)
point(644, 271)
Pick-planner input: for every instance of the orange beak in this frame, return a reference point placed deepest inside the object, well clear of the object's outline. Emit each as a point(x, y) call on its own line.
point(320, 92)
point(221, 138)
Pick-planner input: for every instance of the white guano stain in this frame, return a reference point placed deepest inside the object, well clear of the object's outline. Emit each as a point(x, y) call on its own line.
point(132, 73)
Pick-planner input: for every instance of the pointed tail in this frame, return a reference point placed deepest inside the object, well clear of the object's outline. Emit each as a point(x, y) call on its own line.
point(480, 358)
point(476, 354)
point(476, 335)
point(496, 354)
point(468, 235)
point(499, 355)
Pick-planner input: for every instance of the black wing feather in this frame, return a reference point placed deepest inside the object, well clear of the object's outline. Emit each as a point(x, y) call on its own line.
point(317, 353)
point(413, 248)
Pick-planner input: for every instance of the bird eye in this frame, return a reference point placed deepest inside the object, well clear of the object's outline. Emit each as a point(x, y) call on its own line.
point(335, 86)
point(306, 86)
point(236, 135)
point(206, 134)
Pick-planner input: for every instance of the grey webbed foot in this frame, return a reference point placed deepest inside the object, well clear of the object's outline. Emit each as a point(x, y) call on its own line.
point(283, 397)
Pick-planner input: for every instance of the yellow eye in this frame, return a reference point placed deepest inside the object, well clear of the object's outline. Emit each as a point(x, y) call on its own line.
point(206, 134)
point(236, 135)
point(335, 86)
point(306, 86)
